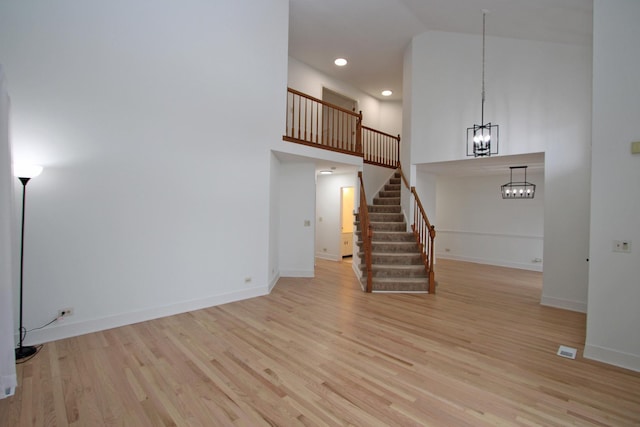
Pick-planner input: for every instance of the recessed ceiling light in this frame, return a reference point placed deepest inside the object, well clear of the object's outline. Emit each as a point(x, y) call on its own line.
point(326, 172)
point(340, 62)
point(387, 92)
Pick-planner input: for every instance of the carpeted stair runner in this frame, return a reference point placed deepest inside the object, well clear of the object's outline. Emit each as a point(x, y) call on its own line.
point(396, 260)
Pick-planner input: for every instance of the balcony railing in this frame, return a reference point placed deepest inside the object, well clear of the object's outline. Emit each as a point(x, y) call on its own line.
point(380, 148)
point(311, 121)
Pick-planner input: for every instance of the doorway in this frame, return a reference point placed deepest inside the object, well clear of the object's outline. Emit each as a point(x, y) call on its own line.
point(347, 205)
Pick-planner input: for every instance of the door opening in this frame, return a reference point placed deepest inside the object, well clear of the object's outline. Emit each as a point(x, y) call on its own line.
point(346, 228)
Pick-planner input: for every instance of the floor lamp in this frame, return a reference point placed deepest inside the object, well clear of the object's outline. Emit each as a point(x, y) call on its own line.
point(24, 173)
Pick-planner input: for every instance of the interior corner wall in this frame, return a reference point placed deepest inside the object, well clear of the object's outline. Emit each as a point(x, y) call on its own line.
point(613, 317)
point(274, 221)
point(154, 198)
point(9, 259)
point(328, 213)
point(407, 138)
point(540, 95)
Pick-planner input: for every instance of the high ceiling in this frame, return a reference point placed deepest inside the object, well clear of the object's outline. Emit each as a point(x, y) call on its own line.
point(373, 34)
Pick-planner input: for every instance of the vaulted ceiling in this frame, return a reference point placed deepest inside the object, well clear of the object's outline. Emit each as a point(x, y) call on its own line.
point(373, 34)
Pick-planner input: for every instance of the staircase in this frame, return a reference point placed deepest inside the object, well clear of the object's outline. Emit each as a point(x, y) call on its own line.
point(397, 264)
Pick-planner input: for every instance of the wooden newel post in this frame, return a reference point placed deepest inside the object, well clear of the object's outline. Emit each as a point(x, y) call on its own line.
point(432, 276)
point(359, 134)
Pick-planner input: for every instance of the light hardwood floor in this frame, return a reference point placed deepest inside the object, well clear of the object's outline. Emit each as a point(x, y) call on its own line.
point(321, 352)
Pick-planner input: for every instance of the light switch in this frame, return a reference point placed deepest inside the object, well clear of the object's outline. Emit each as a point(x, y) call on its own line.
point(307, 223)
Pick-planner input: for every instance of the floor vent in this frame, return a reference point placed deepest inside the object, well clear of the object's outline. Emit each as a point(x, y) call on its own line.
point(568, 352)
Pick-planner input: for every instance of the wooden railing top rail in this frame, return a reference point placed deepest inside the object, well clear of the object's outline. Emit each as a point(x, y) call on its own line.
point(325, 103)
point(381, 133)
point(404, 178)
point(424, 215)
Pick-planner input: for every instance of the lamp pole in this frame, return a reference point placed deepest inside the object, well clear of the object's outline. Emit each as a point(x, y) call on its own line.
point(24, 174)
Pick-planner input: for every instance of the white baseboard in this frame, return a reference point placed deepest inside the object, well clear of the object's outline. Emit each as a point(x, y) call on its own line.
point(499, 263)
point(612, 357)
point(273, 282)
point(66, 329)
point(356, 270)
point(297, 273)
point(565, 304)
point(330, 257)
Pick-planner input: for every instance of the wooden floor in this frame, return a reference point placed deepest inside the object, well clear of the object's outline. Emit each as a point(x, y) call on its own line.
point(321, 352)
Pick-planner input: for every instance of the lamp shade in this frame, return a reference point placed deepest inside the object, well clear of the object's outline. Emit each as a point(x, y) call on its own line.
point(26, 171)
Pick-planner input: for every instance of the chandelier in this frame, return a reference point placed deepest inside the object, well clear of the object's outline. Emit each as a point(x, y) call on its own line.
point(518, 189)
point(482, 139)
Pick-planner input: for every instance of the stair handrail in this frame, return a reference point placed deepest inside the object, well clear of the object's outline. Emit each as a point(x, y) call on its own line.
point(424, 232)
point(366, 231)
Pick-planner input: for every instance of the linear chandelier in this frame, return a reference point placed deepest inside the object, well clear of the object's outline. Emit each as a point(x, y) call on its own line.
point(482, 139)
point(518, 189)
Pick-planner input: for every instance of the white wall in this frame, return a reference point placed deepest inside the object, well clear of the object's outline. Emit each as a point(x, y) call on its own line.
point(274, 221)
point(391, 117)
point(475, 224)
point(374, 178)
point(539, 93)
point(613, 319)
point(9, 253)
point(297, 209)
point(329, 215)
point(156, 175)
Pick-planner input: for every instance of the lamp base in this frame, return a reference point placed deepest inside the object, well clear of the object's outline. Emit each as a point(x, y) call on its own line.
point(25, 351)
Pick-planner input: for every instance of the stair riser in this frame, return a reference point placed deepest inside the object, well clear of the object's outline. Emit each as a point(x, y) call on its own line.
point(388, 226)
point(391, 236)
point(400, 287)
point(392, 187)
point(385, 209)
point(385, 194)
point(399, 247)
point(403, 259)
point(386, 217)
point(386, 201)
point(393, 273)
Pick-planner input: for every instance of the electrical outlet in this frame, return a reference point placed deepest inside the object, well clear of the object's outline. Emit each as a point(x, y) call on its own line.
point(65, 312)
point(622, 246)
